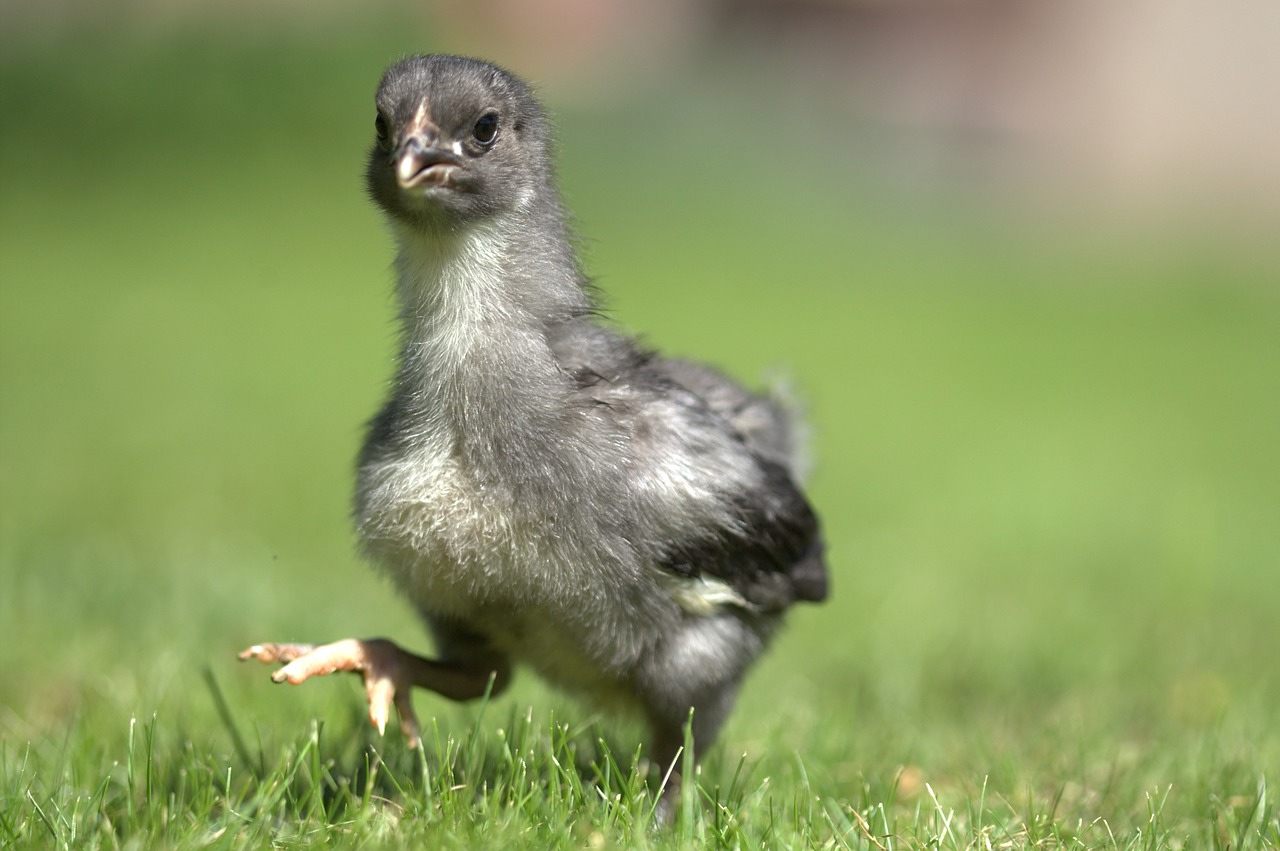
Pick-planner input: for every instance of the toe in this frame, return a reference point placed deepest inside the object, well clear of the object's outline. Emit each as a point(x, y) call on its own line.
point(408, 718)
point(381, 692)
point(273, 652)
point(345, 655)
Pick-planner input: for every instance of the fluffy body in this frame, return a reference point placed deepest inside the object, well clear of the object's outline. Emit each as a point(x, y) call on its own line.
point(524, 492)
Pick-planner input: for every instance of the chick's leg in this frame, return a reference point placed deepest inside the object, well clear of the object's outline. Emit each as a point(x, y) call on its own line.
point(389, 672)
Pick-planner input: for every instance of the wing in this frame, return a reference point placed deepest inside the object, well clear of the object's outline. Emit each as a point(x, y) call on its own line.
point(718, 501)
point(771, 555)
point(763, 423)
point(754, 529)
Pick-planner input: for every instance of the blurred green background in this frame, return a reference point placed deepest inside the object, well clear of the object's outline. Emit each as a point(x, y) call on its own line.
point(1040, 350)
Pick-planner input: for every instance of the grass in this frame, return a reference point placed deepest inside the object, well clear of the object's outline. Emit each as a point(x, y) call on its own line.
point(1047, 467)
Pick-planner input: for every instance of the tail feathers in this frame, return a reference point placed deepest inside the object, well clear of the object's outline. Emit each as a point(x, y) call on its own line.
point(809, 575)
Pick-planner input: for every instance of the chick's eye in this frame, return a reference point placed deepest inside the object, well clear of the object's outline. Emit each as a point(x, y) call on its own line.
point(380, 128)
point(486, 129)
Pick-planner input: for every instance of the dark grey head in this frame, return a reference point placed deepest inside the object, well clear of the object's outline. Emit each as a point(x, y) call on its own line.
point(457, 140)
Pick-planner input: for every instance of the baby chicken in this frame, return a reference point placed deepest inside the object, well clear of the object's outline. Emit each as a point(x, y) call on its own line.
point(543, 489)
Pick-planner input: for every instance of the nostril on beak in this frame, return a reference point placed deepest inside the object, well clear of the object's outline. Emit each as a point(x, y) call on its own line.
point(409, 161)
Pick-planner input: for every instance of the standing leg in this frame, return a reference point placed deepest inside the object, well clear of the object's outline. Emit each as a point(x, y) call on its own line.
point(708, 715)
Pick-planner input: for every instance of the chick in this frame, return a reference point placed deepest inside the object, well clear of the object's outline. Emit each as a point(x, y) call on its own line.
point(543, 489)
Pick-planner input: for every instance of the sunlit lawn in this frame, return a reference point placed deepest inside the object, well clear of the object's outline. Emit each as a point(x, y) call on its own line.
point(1049, 469)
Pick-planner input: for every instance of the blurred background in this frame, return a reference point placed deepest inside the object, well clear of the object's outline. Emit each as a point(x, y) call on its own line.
point(1018, 260)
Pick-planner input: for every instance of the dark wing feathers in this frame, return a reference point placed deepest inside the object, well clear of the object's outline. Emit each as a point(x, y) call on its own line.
point(772, 555)
point(770, 550)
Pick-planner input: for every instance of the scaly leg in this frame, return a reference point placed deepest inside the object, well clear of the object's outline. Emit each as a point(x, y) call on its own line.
point(389, 672)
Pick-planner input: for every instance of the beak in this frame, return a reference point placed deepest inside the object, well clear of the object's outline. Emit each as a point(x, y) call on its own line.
point(421, 161)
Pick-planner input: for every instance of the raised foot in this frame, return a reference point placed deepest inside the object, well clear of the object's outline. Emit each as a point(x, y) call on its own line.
point(385, 667)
